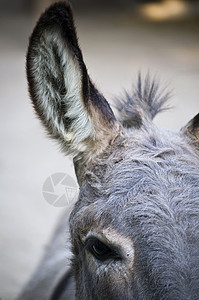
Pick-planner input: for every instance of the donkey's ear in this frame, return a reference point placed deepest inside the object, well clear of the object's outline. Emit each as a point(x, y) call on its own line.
point(191, 130)
point(65, 99)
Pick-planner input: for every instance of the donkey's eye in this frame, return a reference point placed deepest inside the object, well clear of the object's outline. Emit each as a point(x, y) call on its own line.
point(101, 251)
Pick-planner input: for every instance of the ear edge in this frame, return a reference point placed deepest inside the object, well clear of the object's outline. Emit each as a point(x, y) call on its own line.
point(191, 130)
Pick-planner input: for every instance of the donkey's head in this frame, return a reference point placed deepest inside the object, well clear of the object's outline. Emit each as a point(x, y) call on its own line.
point(135, 226)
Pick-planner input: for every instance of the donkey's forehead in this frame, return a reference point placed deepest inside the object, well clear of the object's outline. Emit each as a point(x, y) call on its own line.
point(148, 145)
point(139, 176)
point(150, 156)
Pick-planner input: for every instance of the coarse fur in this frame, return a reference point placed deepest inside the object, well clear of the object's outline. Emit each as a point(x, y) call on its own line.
point(135, 228)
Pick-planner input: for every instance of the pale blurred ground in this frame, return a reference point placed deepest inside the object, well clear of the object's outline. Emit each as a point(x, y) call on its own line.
point(115, 46)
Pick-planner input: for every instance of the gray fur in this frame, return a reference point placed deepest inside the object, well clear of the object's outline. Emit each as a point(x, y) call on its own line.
point(135, 227)
point(150, 193)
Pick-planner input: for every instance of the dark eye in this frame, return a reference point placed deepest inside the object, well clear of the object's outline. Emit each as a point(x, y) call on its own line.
point(100, 250)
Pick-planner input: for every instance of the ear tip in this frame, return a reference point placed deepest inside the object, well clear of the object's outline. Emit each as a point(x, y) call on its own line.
point(57, 13)
point(61, 5)
point(57, 17)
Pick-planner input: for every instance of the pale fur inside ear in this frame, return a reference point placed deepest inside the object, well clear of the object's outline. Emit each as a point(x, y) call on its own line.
point(81, 126)
point(46, 71)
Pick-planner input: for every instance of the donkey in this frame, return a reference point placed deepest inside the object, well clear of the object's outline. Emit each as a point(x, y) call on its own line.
point(134, 231)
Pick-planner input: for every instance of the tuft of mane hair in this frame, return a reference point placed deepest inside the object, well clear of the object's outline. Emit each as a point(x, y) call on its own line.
point(147, 100)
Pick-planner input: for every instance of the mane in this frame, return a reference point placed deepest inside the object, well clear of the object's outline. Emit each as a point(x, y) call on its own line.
point(146, 101)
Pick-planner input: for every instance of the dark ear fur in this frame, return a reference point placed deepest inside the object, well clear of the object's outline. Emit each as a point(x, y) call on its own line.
point(191, 130)
point(66, 101)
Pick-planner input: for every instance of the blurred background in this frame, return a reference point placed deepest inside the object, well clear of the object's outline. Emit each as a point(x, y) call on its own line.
point(118, 38)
